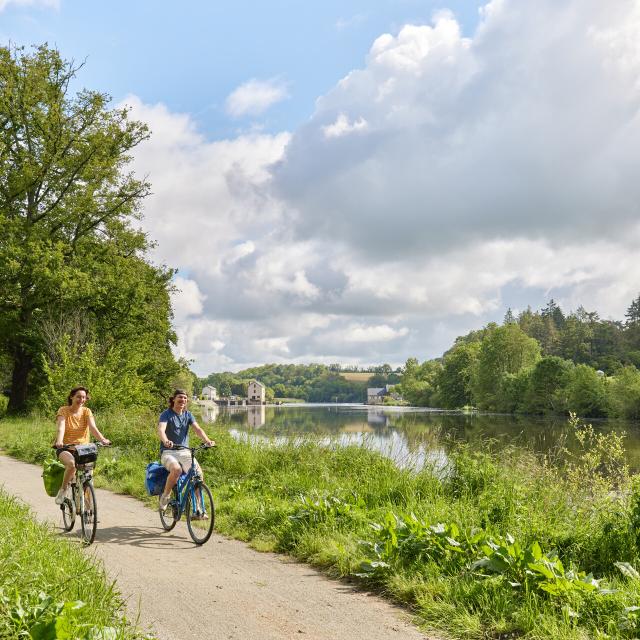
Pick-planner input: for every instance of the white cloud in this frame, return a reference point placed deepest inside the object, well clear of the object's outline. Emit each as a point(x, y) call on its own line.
point(255, 97)
point(186, 299)
point(449, 178)
point(377, 333)
point(529, 127)
point(342, 126)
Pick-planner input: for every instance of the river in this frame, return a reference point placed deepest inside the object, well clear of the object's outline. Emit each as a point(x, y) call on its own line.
point(410, 436)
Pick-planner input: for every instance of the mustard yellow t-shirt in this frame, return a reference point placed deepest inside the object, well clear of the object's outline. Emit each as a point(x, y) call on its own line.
point(76, 428)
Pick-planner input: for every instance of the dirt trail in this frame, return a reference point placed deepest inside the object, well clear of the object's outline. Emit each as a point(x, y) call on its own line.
point(221, 590)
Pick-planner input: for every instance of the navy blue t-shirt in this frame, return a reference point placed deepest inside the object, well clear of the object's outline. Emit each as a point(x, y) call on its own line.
point(177, 427)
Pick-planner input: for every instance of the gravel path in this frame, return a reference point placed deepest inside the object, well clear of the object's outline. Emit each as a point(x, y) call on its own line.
point(220, 590)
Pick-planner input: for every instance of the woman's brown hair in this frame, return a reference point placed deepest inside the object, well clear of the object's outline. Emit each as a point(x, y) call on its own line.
point(73, 393)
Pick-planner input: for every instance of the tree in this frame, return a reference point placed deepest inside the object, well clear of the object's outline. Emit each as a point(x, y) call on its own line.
point(454, 380)
point(586, 393)
point(625, 393)
point(66, 206)
point(504, 350)
point(548, 379)
point(633, 312)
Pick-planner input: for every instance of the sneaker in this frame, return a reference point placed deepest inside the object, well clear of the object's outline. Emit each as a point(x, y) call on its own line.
point(61, 495)
point(164, 502)
point(199, 516)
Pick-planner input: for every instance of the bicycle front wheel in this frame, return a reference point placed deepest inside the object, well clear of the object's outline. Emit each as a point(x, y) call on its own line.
point(68, 514)
point(200, 513)
point(88, 513)
point(170, 516)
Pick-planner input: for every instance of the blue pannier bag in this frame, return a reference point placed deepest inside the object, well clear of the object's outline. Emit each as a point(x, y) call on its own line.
point(155, 478)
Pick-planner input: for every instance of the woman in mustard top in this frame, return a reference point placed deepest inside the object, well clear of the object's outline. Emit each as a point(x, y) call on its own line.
point(75, 423)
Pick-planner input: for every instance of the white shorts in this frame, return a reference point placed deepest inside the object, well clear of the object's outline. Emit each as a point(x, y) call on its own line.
point(181, 456)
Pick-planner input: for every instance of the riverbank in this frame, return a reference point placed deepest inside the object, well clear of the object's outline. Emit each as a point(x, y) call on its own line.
point(457, 548)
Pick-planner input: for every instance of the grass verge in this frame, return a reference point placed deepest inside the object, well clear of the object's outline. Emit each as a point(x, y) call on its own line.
point(502, 544)
point(49, 588)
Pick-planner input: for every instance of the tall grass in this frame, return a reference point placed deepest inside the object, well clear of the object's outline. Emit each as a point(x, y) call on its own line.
point(49, 588)
point(499, 544)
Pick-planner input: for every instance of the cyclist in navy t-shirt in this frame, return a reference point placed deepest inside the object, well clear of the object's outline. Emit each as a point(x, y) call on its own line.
point(173, 429)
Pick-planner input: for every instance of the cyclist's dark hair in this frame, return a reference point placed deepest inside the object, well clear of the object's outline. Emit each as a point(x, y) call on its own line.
point(177, 392)
point(73, 393)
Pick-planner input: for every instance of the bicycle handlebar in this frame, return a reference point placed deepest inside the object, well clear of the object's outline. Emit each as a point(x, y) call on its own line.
point(69, 447)
point(194, 449)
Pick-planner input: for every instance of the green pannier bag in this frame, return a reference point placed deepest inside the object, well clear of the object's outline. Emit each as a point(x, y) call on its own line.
point(52, 476)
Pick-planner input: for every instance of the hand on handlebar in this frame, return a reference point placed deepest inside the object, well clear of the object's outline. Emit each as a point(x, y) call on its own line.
point(168, 444)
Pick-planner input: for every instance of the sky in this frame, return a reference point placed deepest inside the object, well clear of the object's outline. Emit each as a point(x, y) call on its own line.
point(336, 182)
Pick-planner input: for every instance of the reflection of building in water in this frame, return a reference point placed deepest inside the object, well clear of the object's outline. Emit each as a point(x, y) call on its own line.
point(378, 419)
point(210, 411)
point(256, 392)
point(356, 427)
point(256, 416)
point(209, 393)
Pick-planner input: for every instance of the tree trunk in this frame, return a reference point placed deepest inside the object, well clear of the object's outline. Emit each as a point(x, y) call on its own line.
point(22, 365)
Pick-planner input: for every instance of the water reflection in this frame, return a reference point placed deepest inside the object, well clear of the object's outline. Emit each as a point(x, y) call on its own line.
point(412, 437)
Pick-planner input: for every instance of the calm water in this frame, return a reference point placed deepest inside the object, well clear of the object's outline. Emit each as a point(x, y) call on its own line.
point(410, 436)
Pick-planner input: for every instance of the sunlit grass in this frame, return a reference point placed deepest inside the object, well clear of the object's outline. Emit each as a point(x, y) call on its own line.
point(317, 501)
point(48, 583)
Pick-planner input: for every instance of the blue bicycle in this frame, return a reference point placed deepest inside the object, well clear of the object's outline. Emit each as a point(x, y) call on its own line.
point(192, 497)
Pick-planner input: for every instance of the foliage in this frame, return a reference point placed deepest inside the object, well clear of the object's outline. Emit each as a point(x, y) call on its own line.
point(496, 506)
point(504, 350)
point(72, 265)
point(313, 383)
point(586, 392)
point(542, 362)
point(454, 380)
point(48, 588)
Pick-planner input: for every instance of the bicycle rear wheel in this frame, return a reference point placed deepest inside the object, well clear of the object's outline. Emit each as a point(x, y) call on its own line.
point(201, 515)
point(89, 513)
point(68, 514)
point(169, 517)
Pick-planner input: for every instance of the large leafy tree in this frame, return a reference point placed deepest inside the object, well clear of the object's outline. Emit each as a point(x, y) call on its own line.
point(504, 350)
point(67, 201)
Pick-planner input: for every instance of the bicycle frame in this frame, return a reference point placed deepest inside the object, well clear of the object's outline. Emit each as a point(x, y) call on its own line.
point(82, 481)
point(187, 486)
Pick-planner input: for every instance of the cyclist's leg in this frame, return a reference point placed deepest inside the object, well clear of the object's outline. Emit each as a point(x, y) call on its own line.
point(69, 463)
point(172, 465)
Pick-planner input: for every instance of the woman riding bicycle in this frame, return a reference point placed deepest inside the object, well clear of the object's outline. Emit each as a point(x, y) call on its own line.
point(173, 429)
point(74, 424)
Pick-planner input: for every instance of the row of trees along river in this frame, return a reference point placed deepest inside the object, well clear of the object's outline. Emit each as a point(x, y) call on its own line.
point(538, 362)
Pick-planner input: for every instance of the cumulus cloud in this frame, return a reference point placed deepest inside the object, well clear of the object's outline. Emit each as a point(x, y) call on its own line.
point(342, 126)
point(449, 178)
point(527, 128)
point(255, 97)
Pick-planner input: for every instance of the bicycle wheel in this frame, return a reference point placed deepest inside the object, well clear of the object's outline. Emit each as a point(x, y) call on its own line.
point(68, 514)
point(171, 515)
point(88, 513)
point(200, 519)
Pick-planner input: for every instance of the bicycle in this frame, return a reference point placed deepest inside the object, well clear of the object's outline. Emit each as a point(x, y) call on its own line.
point(192, 497)
point(81, 502)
